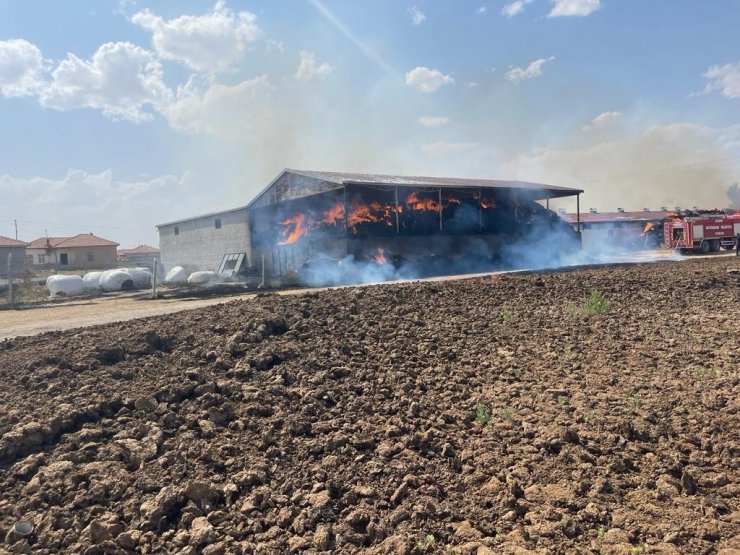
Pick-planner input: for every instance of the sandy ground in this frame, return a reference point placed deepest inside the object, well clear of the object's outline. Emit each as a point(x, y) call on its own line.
point(92, 312)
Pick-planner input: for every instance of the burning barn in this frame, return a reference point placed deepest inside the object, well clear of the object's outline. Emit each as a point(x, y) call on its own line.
point(306, 220)
point(621, 229)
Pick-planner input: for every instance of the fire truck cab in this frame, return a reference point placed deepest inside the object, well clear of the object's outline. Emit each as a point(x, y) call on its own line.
point(703, 233)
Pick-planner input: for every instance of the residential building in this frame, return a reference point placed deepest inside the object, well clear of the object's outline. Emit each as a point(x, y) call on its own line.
point(15, 251)
point(81, 252)
point(143, 255)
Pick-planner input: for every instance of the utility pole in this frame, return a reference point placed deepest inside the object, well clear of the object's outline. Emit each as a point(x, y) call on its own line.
point(16, 229)
point(10, 280)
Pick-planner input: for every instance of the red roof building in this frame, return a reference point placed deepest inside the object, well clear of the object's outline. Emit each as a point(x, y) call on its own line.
point(143, 255)
point(83, 251)
point(141, 249)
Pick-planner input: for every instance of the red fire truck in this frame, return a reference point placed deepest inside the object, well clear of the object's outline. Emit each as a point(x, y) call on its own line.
point(701, 232)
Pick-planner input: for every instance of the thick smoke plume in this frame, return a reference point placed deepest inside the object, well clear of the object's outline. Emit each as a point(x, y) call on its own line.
point(680, 165)
point(733, 193)
point(544, 247)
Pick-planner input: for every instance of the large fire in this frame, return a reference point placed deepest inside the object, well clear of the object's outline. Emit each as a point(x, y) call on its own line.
point(295, 228)
point(415, 203)
point(297, 225)
point(374, 212)
point(334, 214)
point(648, 227)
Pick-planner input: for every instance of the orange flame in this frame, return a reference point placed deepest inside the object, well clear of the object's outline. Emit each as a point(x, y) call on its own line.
point(379, 256)
point(295, 229)
point(334, 214)
point(487, 203)
point(415, 203)
point(453, 200)
point(370, 213)
point(648, 227)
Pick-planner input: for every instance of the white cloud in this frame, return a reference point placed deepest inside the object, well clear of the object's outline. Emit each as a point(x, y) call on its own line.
point(482, 9)
point(416, 15)
point(534, 69)
point(21, 65)
point(724, 78)
point(272, 45)
point(515, 7)
point(307, 68)
point(123, 210)
point(231, 112)
point(602, 120)
point(444, 148)
point(121, 79)
point(210, 43)
point(427, 80)
point(434, 121)
point(566, 8)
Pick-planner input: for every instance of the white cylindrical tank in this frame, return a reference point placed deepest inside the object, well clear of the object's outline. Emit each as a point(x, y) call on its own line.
point(65, 286)
point(202, 277)
point(116, 280)
point(176, 275)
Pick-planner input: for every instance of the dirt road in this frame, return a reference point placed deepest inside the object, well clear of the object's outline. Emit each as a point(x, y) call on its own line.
point(101, 310)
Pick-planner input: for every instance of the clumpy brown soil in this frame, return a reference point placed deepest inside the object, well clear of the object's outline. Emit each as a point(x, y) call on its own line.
point(476, 416)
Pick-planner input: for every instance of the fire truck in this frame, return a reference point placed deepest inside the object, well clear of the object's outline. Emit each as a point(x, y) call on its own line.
point(701, 232)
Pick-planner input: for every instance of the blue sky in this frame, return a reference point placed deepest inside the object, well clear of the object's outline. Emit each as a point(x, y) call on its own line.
point(120, 115)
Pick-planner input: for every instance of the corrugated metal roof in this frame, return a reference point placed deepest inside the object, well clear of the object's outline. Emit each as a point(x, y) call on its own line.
point(337, 180)
point(341, 178)
point(8, 242)
point(610, 217)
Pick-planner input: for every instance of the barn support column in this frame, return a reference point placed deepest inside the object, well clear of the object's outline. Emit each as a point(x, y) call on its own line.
point(480, 210)
point(578, 218)
point(398, 226)
point(440, 208)
point(346, 212)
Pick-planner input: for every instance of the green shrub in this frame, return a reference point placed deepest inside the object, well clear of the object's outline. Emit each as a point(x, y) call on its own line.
point(482, 416)
point(596, 304)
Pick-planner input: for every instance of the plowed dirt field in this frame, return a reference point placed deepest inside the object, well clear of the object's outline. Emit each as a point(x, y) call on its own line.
point(489, 415)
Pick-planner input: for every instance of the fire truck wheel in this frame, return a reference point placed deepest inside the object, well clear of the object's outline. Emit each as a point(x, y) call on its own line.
point(714, 245)
point(704, 247)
